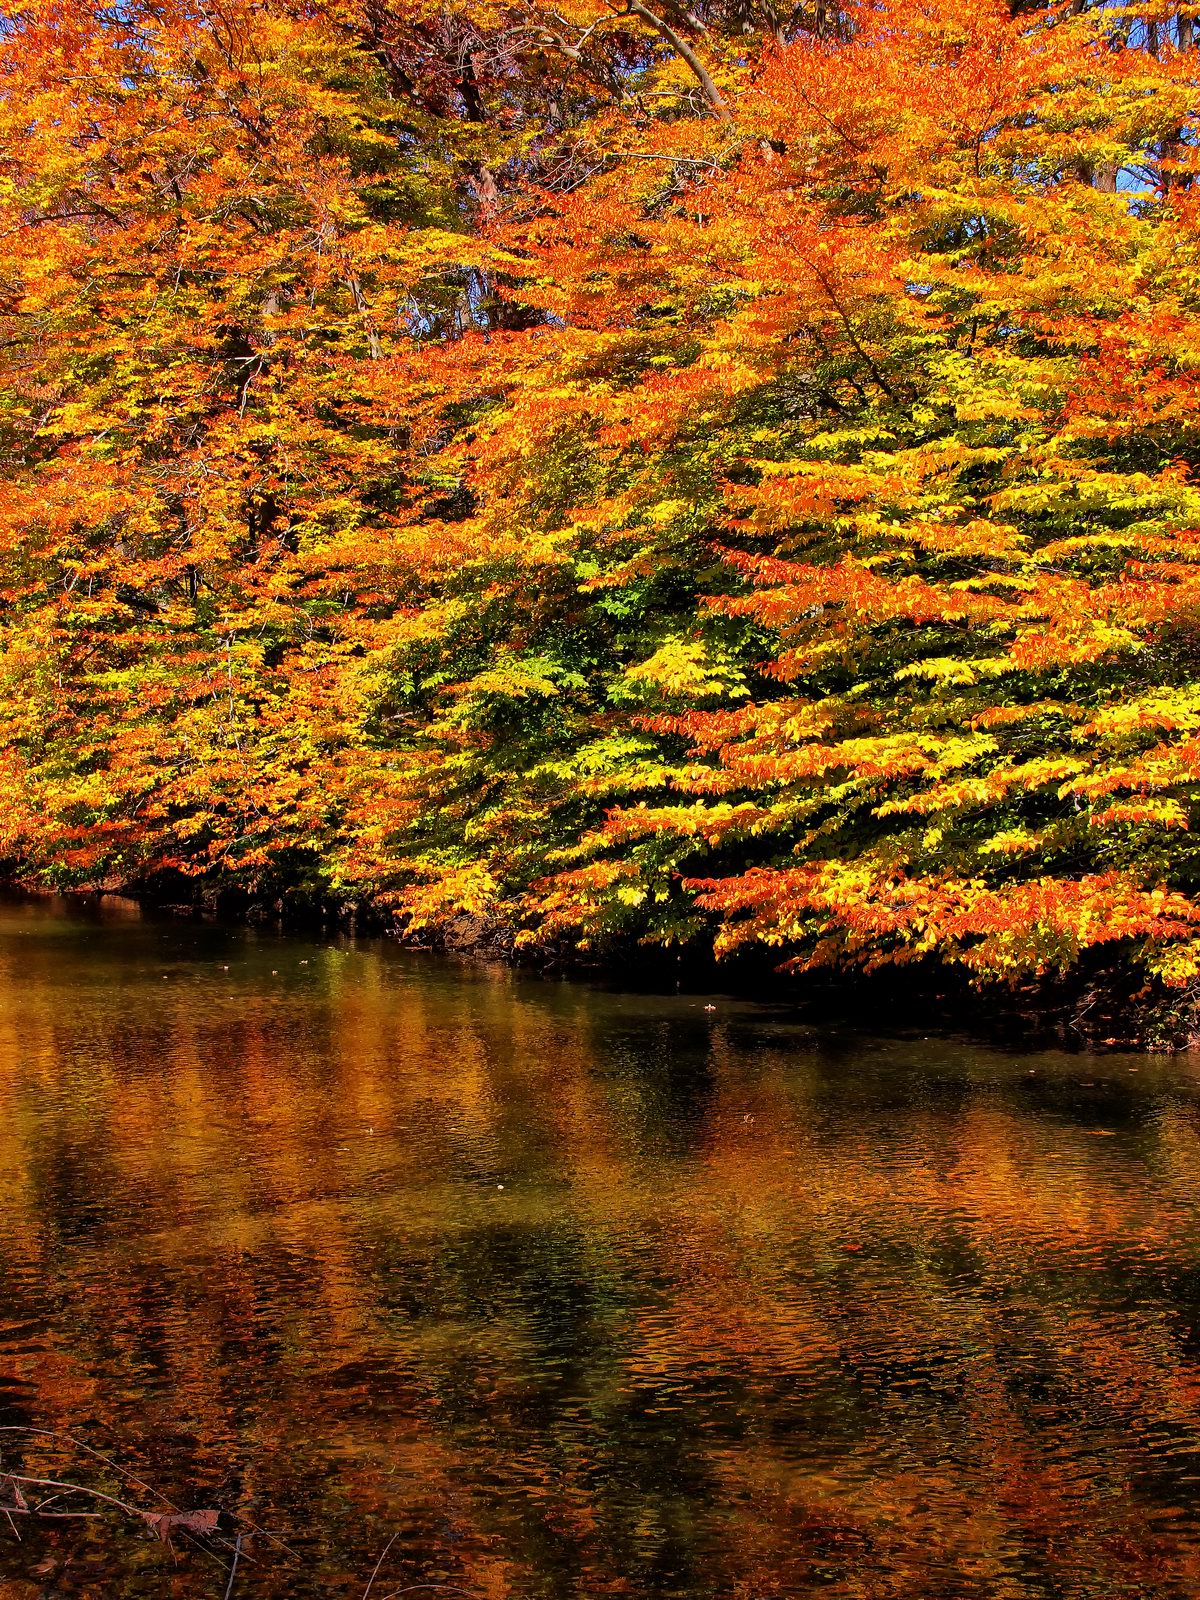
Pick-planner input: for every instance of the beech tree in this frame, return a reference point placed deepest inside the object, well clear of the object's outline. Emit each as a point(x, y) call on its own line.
point(680, 474)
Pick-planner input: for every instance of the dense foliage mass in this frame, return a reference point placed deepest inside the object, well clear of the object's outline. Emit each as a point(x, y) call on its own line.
point(677, 473)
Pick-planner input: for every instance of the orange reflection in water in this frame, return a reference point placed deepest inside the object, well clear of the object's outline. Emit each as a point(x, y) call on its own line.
point(577, 1293)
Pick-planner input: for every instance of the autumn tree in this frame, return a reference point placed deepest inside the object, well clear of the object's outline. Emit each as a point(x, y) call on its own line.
point(674, 473)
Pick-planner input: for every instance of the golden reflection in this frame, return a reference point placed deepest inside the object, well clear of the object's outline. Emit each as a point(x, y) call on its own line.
point(578, 1293)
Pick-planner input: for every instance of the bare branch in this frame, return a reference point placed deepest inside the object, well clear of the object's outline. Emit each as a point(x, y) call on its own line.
point(684, 50)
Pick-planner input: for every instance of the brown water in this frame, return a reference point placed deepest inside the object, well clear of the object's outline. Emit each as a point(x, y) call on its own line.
point(573, 1293)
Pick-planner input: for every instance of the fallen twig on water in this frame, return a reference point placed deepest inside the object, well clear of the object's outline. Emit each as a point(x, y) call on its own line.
point(237, 1550)
point(379, 1563)
point(160, 1523)
point(444, 1588)
point(57, 1434)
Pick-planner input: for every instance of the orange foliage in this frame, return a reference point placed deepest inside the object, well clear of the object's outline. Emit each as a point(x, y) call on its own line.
point(610, 475)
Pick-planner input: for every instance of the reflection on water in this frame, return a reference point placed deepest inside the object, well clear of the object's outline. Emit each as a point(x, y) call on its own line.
point(580, 1294)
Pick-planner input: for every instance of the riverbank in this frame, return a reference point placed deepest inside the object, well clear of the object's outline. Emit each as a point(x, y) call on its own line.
point(1096, 1006)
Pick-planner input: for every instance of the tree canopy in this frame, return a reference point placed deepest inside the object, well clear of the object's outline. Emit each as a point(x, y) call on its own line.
point(697, 473)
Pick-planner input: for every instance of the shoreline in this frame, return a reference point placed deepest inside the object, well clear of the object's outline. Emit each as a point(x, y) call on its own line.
point(1087, 1012)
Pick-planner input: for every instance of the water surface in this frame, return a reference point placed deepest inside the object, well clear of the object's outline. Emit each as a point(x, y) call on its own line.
point(574, 1293)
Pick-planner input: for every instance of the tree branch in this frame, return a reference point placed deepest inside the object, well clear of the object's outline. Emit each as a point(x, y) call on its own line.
point(684, 50)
